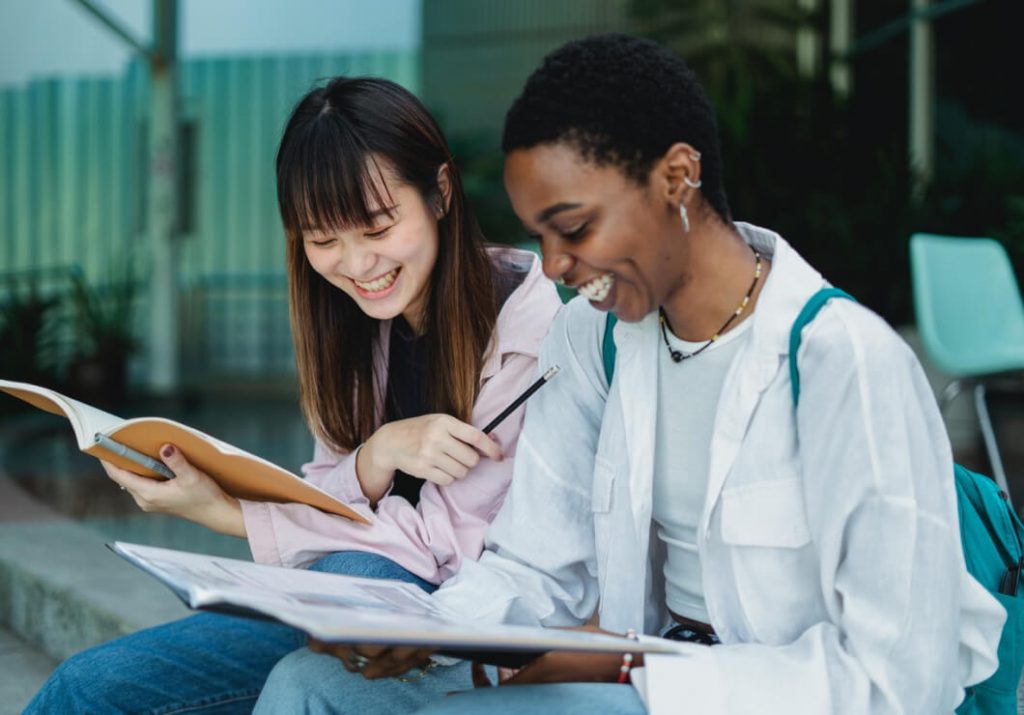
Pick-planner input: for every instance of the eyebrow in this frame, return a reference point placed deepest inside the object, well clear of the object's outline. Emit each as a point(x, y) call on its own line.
point(550, 211)
point(387, 210)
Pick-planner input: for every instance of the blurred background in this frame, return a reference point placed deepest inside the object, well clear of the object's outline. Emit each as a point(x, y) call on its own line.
point(141, 254)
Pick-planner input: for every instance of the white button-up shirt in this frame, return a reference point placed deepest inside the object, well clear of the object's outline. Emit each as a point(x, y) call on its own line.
point(829, 540)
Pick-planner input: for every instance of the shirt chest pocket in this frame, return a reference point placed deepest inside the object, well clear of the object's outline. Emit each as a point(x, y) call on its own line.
point(767, 540)
point(765, 514)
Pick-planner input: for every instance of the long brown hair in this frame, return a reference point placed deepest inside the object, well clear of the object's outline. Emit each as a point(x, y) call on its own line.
point(326, 163)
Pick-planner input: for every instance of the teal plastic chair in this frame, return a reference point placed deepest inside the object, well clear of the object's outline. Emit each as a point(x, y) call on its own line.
point(971, 319)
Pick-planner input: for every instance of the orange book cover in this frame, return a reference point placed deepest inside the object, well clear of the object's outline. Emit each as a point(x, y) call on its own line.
point(239, 473)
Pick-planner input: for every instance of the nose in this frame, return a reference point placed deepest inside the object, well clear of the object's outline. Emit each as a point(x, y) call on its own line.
point(556, 262)
point(358, 260)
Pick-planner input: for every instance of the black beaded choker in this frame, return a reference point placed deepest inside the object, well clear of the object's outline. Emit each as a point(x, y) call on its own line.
point(678, 355)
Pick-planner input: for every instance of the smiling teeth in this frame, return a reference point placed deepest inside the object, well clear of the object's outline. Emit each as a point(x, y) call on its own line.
point(597, 289)
point(379, 284)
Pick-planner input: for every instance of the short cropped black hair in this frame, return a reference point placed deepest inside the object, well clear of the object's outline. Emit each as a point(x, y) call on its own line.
point(619, 100)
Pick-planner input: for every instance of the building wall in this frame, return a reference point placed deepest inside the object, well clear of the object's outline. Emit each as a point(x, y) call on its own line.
point(72, 191)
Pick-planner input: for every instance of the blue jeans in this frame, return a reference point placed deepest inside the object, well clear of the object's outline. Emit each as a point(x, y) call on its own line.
point(207, 663)
point(562, 698)
point(313, 684)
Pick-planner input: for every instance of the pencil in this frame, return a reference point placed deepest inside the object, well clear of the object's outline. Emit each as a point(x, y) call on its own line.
point(521, 399)
point(133, 456)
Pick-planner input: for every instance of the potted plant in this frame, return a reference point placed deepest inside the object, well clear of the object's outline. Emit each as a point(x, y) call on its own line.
point(29, 337)
point(104, 337)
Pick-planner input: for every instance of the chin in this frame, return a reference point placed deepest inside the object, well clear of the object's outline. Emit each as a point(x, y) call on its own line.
point(631, 314)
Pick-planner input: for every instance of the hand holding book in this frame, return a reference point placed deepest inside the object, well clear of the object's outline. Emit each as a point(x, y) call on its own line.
point(191, 495)
point(239, 474)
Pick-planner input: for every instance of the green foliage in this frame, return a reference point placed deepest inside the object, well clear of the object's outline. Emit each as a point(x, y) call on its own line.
point(480, 163)
point(29, 334)
point(104, 337)
point(830, 174)
point(736, 47)
point(104, 317)
point(978, 189)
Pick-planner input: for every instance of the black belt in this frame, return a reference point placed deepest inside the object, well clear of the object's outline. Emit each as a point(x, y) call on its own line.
point(687, 634)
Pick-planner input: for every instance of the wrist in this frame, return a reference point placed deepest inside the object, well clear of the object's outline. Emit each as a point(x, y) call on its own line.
point(224, 515)
point(629, 660)
point(372, 473)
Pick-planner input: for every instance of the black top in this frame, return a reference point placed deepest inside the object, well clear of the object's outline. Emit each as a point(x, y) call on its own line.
point(406, 395)
point(407, 392)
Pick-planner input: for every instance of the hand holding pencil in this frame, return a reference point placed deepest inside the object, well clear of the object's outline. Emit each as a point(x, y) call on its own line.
point(436, 447)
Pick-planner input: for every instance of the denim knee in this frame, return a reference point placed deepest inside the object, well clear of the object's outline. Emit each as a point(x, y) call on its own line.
point(295, 682)
point(368, 565)
point(81, 684)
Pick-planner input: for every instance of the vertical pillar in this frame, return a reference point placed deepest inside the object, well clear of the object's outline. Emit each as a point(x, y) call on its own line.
point(162, 208)
point(922, 96)
point(840, 31)
point(808, 43)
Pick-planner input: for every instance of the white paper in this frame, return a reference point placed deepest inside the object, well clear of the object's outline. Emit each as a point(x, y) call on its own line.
point(345, 609)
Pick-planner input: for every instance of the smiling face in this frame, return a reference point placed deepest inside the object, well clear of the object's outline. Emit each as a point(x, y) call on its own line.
point(385, 266)
point(614, 241)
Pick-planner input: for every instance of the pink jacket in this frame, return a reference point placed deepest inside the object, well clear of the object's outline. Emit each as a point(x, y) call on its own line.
point(448, 524)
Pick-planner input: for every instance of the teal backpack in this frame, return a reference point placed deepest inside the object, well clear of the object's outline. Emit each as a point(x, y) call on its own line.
point(991, 535)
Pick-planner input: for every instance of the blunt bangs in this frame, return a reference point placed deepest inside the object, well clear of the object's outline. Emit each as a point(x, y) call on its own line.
point(329, 180)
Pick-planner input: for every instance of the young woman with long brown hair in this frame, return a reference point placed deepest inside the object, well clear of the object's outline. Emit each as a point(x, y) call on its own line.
point(409, 335)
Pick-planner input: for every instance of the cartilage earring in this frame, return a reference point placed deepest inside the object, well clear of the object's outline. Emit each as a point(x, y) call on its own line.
point(692, 184)
point(686, 217)
point(695, 156)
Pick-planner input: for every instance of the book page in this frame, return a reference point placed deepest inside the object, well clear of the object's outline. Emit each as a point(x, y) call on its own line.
point(346, 609)
point(210, 578)
point(93, 420)
point(86, 420)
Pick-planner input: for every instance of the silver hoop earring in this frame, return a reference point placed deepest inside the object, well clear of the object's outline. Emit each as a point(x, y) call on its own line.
point(695, 156)
point(686, 218)
point(692, 184)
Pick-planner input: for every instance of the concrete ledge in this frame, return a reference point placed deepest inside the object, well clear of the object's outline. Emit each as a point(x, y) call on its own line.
point(62, 590)
point(24, 671)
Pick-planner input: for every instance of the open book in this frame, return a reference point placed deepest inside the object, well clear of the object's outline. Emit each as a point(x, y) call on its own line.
point(345, 609)
point(239, 473)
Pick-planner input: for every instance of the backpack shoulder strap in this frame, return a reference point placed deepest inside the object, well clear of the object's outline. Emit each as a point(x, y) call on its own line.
point(814, 304)
point(608, 347)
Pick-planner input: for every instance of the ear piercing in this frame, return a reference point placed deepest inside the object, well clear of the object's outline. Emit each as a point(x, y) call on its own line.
point(692, 184)
point(685, 217)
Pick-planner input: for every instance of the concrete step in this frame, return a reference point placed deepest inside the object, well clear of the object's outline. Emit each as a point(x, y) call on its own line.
point(61, 589)
point(23, 669)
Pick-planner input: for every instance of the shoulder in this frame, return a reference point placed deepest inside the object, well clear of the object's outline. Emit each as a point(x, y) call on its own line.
point(848, 339)
point(574, 342)
point(526, 315)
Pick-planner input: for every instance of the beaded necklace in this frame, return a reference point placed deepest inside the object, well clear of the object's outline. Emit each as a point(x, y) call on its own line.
point(678, 355)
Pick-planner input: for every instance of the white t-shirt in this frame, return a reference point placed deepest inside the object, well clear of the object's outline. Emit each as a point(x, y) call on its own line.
point(688, 394)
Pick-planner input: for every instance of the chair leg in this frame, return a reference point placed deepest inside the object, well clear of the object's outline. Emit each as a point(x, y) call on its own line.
point(989, 436)
point(950, 393)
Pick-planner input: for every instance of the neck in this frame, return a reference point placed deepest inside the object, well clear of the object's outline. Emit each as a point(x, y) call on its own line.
point(415, 319)
point(719, 269)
